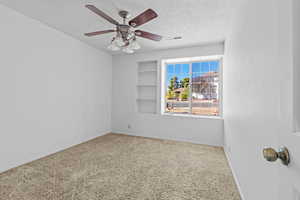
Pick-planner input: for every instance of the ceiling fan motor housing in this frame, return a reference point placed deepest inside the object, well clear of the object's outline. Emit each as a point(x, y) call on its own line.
point(124, 14)
point(124, 30)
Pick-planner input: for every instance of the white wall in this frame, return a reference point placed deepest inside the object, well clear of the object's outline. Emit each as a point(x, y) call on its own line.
point(205, 131)
point(253, 87)
point(55, 90)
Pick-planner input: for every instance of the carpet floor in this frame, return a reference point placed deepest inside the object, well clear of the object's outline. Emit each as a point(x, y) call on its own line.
point(119, 167)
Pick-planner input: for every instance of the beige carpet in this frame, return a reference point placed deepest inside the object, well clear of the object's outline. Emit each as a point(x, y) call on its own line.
point(118, 167)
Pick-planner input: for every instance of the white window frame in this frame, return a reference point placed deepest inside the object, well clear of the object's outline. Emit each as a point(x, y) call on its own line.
point(190, 60)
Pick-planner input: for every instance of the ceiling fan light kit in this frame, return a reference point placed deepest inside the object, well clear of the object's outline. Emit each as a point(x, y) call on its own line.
point(126, 36)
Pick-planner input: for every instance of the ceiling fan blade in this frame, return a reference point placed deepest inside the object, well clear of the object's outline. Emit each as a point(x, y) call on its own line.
point(99, 32)
point(143, 18)
point(148, 35)
point(101, 14)
point(173, 38)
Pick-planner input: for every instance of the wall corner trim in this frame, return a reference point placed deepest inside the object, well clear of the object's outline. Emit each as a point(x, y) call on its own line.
point(234, 174)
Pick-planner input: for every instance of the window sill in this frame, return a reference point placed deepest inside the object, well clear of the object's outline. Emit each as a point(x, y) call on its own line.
point(193, 116)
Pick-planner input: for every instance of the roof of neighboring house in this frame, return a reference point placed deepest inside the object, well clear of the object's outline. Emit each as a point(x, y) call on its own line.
point(205, 76)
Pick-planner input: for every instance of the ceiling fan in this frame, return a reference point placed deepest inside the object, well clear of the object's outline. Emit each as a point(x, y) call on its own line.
point(125, 38)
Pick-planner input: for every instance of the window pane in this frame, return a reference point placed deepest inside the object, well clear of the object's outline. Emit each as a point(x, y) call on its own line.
point(214, 66)
point(205, 87)
point(170, 69)
point(196, 67)
point(177, 94)
point(186, 68)
point(177, 68)
point(205, 67)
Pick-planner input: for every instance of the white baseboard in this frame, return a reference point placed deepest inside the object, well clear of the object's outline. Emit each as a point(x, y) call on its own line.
point(234, 174)
point(95, 136)
point(164, 138)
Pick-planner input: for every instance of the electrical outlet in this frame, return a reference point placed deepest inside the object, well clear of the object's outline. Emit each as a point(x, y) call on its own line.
point(129, 126)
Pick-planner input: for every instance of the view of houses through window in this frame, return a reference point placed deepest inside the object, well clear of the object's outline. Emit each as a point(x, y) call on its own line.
point(193, 88)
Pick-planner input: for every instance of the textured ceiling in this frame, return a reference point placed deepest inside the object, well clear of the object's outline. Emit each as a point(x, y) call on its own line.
point(197, 21)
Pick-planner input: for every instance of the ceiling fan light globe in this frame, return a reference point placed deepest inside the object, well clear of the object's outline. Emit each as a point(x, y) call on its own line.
point(119, 41)
point(128, 50)
point(135, 45)
point(113, 47)
point(130, 35)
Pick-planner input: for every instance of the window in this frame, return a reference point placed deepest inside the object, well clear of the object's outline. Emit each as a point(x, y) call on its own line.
point(192, 86)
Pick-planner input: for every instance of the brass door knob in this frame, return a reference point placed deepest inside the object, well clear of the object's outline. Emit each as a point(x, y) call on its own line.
point(271, 155)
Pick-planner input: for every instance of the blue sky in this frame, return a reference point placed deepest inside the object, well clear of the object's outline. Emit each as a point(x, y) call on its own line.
point(198, 69)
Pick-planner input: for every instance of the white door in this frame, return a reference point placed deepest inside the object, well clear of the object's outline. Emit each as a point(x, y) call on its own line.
point(289, 128)
point(289, 182)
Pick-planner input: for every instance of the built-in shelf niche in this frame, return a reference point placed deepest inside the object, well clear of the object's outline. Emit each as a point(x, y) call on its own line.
point(147, 87)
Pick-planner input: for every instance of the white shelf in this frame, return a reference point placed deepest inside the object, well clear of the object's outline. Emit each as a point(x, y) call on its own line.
point(148, 71)
point(154, 100)
point(147, 66)
point(144, 85)
point(147, 87)
point(147, 112)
